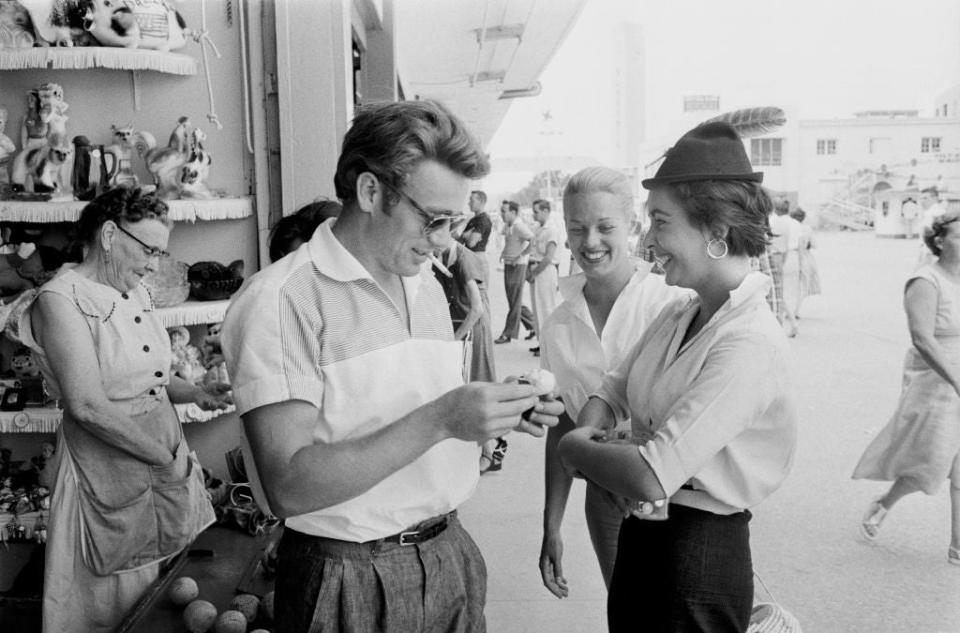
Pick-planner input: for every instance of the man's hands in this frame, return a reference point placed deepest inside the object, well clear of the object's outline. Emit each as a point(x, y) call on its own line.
point(480, 411)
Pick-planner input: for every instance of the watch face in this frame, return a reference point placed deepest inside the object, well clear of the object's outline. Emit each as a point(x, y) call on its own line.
point(21, 420)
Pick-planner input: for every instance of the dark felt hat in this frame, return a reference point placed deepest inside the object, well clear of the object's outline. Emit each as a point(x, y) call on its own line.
point(712, 151)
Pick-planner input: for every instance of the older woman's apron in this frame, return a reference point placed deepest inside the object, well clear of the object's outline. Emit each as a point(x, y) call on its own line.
point(114, 520)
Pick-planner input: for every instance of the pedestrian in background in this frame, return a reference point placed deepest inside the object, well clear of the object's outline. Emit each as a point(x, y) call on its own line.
point(516, 236)
point(543, 269)
point(920, 446)
point(809, 273)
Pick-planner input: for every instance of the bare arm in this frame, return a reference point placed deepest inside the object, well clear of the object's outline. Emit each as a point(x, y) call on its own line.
point(618, 468)
point(920, 303)
point(475, 312)
point(543, 263)
point(209, 398)
point(301, 474)
point(66, 339)
point(471, 238)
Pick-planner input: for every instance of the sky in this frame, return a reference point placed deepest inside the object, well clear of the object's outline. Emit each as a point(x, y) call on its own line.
point(814, 58)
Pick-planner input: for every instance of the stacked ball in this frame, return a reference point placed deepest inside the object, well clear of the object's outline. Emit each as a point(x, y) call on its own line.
point(201, 616)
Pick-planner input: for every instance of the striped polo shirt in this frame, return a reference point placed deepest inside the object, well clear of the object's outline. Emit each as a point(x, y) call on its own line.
point(315, 326)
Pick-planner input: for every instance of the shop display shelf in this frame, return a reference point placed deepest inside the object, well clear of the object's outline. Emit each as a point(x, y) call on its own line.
point(83, 57)
point(180, 210)
point(47, 419)
point(193, 313)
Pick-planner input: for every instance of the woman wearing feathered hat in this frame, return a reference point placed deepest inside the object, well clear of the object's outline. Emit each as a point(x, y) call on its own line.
point(706, 387)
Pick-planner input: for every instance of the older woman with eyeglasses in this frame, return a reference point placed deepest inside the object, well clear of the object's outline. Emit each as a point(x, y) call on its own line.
point(707, 392)
point(129, 494)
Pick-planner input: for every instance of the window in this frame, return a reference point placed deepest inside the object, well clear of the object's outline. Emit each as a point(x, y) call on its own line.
point(766, 151)
point(827, 146)
point(929, 144)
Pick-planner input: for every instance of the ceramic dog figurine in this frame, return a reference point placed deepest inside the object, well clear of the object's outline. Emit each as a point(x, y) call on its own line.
point(164, 163)
point(41, 169)
point(193, 174)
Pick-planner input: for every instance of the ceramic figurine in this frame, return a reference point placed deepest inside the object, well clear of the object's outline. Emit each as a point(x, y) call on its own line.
point(16, 27)
point(57, 22)
point(162, 27)
point(23, 364)
point(112, 23)
point(164, 163)
point(186, 357)
point(7, 148)
point(193, 174)
point(122, 148)
point(41, 169)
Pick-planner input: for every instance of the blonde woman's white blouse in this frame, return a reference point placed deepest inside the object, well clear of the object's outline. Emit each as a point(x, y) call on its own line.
point(570, 347)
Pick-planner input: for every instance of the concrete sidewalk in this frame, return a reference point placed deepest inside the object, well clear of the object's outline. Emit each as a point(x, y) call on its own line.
point(847, 362)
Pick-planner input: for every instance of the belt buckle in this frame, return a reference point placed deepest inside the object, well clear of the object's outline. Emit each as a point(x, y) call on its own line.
point(403, 538)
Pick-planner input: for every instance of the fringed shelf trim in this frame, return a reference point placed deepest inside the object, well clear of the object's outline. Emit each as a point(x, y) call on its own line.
point(47, 420)
point(30, 420)
point(193, 313)
point(80, 57)
point(216, 209)
point(180, 210)
point(192, 413)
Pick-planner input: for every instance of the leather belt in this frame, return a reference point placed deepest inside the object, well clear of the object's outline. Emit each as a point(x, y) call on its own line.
point(415, 537)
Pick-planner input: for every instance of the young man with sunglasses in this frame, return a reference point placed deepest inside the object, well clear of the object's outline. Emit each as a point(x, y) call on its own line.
point(350, 388)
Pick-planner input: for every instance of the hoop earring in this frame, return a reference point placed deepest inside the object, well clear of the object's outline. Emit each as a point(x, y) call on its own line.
point(723, 245)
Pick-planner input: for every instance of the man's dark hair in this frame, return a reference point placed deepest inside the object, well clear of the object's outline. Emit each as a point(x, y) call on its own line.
point(513, 206)
point(932, 191)
point(541, 204)
point(391, 139)
point(480, 194)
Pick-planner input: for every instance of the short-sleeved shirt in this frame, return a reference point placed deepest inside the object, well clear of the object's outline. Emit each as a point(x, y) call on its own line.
point(516, 237)
point(482, 224)
point(716, 413)
point(786, 233)
point(570, 347)
point(543, 236)
point(316, 327)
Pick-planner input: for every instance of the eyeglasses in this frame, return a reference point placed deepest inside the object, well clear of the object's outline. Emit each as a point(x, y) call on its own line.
point(431, 222)
point(151, 251)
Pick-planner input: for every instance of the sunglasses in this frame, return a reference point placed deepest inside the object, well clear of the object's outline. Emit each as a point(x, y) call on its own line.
point(432, 222)
point(150, 251)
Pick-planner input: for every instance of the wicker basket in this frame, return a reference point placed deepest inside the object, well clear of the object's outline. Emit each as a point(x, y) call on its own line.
point(768, 617)
point(168, 285)
point(214, 290)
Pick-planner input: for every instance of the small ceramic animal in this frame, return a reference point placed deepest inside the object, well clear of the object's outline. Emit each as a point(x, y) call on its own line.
point(41, 169)
point(193, 174)
point(16, 27)
point(164, 163)
point(122, 148)
point(57, 22)
point(23, 365)
point(111, 23)
point(7, 148)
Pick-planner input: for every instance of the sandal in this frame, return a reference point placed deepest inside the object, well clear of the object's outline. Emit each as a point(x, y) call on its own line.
point(872, 520)
point(953, 556)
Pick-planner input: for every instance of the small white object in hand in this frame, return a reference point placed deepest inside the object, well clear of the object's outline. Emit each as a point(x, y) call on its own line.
point(544, 381)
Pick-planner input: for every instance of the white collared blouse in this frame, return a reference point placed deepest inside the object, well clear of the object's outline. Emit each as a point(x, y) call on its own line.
point(717, 411)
